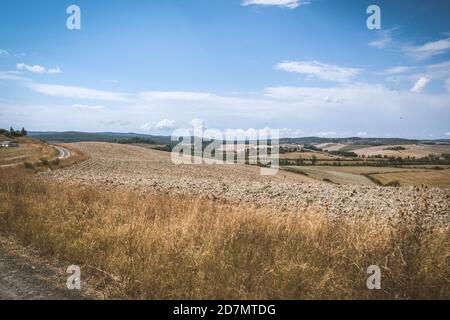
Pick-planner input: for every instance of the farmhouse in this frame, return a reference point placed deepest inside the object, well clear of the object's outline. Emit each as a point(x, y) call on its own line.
point(8, 144)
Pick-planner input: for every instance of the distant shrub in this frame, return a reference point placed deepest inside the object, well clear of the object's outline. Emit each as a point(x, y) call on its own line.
point(397, 148)
point(312, 147)
point(394, 183)
point(28, 165)
point(349, 154)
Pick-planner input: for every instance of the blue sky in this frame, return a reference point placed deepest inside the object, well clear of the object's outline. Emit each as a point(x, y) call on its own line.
point(305, 67)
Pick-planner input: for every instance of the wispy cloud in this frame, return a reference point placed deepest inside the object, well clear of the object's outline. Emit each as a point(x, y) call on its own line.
point(438, 70)
point(320, 70)
point(384, 39)
point(397, 70)
point(428, 49)
point(420, 84)
point(37, 69)
point(86, 106)
point(12, 75)
point(178, 95)
point(332, 100)
point(78, 92)
point(291, 4)
point(193, 97)
point(3, 52)
point(447, 84)
point(54, 70)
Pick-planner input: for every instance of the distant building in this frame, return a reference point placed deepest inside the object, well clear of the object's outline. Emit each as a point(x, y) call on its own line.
point(8, 144)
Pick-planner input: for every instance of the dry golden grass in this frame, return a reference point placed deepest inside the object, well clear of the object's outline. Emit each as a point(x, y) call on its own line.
point(162, 246)
point(29, 150)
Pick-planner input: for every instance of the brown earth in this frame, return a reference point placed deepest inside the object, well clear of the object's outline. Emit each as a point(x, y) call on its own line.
point(132, 167)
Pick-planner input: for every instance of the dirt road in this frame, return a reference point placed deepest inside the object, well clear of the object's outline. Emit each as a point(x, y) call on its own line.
point(63, 152)
point(25, 276)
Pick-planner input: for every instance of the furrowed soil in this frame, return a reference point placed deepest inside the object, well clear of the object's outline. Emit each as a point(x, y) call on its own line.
point(135, 168)
point(141, 227)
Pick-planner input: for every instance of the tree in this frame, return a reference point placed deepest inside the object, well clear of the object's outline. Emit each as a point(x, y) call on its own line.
point(23, 132)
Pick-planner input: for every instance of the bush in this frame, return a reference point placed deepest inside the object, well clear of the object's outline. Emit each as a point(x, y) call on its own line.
point(394, 183)
point(28, 165)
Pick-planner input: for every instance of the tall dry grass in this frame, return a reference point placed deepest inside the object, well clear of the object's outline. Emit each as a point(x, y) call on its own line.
point(151, 246)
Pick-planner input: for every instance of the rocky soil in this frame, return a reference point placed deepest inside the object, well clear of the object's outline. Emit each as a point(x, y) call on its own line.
point(137, 168)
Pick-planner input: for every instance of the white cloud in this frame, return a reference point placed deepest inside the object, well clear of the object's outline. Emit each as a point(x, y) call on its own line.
point(332, 100)
point(147, 126)
point(361, 134)
point(319, 70)
point(85, 106)
point(78, 92)
point(447, 84)
point(37, 69)
point(397, 70)
point(54, 70)
point(429, 49)
point(291, 4)
point(3, 52)
point(447, 133)
point(165, 124)
point(420, 84)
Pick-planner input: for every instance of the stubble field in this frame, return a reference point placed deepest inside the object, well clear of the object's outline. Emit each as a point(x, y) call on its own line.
point(141, 169)
point(142, 227)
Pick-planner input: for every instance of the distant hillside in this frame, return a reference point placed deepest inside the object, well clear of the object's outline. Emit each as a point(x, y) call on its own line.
point(350, 140)
point(74, 136)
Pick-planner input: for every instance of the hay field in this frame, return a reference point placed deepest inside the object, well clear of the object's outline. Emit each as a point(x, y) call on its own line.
point(412, 150)
point(438, 178)
point(137, 245)
point(358, 175)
